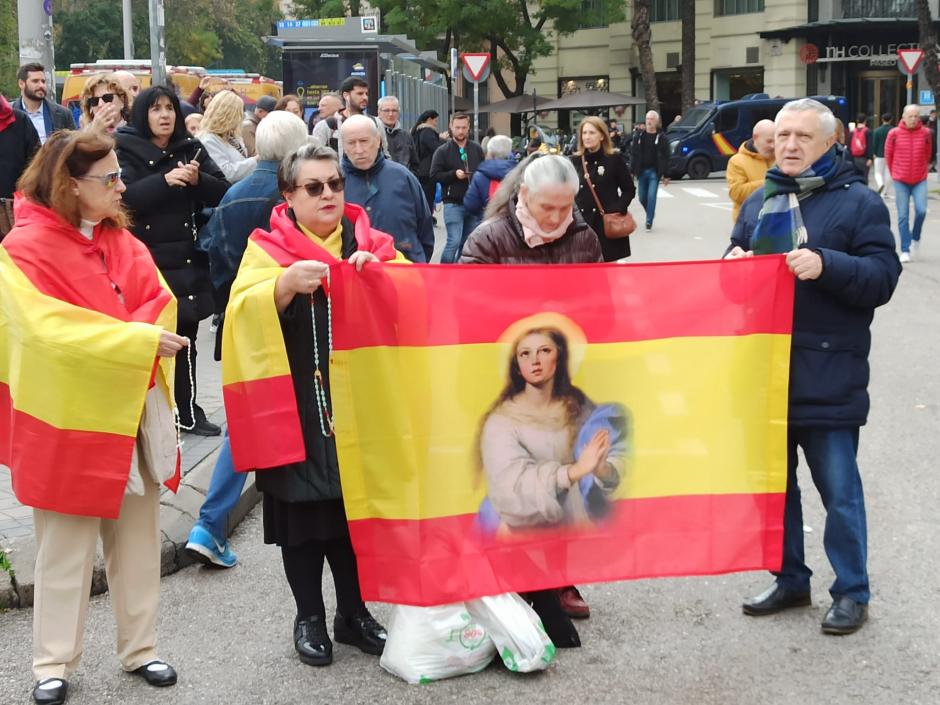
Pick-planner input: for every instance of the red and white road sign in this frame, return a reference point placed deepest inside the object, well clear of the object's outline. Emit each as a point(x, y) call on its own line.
point(909, 60)
point(476, 65)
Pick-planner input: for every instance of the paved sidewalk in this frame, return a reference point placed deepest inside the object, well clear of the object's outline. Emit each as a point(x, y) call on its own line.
point(177, 512)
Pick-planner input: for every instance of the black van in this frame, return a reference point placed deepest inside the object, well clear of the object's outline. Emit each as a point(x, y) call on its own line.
point(710, 133)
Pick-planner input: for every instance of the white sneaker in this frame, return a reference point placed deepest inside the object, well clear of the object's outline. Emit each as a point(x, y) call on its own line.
point(905, 257)
point(915, 249)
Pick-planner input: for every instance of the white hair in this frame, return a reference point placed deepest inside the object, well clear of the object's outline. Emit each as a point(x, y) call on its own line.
point(280, 133)
point(388, 99)
point(358, 120)
point(499, 147)
point(550, 170)
point(827, 121)
point(653, 113)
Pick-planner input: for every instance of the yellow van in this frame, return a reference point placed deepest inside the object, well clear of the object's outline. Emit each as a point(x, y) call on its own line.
point(250, 86)
point(184, 79)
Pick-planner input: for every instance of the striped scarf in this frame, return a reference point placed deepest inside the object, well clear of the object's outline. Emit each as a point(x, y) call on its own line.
point(780, 225)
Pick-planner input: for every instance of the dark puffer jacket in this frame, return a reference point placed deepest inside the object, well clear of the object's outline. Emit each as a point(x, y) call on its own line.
point(163, 215)
point(849, 227)
point(501, 241)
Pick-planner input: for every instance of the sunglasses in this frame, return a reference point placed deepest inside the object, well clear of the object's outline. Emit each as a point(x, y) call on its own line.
point(95, 99)
point(109, 180)
point(315, 188)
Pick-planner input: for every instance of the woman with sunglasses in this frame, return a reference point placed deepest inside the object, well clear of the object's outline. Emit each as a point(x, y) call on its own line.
point(279, 320)
point(83, 312)
point(169, 179)
point(104, 104)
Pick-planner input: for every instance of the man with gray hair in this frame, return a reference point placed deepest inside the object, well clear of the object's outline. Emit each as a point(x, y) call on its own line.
point(649, 160)
point(245, 207)
point(489, 174)
point(816, 209)
point(388, 191)
point(401, 148)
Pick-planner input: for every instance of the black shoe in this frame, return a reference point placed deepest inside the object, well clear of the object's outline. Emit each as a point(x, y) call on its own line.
point(775, 599)
point(362, 631)
point(311, 641)
point(557, 624)
point(649, 226)
point(157, 674)
point(203, 427)
point(846, 616)
point(50, 691)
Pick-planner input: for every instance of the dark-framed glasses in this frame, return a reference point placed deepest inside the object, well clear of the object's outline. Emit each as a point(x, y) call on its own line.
point(95, 99)
point(315, 188)
point(110, 179)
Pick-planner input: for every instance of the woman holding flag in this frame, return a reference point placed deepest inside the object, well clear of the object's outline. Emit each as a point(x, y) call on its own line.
point(276, 349)
point(86, 377)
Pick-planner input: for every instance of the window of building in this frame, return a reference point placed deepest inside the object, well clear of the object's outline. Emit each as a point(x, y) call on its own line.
point(878, 8)
point(666, 10)
point(737, 7)
point(594, 10)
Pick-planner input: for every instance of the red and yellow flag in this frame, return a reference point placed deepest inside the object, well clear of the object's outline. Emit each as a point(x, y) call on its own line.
point(458, 471)
point(80, 324)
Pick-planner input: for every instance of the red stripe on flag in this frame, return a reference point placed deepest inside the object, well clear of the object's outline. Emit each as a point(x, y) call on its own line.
point(413, 306)
point(438, 561)
point(263, 423)
point(73, 472)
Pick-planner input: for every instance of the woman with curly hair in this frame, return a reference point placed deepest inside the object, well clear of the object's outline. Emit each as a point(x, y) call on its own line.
point(105, 104)
point(221, 134)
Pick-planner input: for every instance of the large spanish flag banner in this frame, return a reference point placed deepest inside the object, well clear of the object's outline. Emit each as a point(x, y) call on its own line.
point(76, 362)
point(510, 428)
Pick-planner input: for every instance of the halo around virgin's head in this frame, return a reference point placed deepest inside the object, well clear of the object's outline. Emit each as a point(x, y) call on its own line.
point(577, 341)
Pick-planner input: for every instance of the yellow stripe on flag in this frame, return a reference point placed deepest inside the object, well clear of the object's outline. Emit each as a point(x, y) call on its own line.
point(681, 392)
point(81, 380)
point(257, 351)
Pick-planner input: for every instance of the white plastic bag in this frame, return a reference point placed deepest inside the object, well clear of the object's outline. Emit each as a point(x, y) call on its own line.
point(517, 631)
point(431, 643)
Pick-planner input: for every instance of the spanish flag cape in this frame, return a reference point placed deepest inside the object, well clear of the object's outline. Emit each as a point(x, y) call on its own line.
point(76, 362)
point(260, 405)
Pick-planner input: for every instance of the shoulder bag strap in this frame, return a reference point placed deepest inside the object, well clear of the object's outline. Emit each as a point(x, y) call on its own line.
point(587, 179)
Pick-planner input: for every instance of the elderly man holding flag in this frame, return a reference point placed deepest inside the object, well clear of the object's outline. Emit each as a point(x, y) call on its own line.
point(816, 208)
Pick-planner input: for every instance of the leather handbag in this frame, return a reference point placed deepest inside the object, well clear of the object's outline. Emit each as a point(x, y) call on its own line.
point(616, 225)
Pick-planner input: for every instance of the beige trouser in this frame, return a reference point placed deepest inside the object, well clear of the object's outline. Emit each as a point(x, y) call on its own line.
point(64, 566)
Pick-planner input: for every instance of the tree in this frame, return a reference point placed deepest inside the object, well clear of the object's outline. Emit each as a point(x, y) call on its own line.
point(317, 9)
point(641, 37)
point(688, 54)
point(928, 42)
point(9, 49)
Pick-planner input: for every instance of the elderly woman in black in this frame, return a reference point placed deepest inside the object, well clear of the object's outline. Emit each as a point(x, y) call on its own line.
point(611, 179)
point(169, 178)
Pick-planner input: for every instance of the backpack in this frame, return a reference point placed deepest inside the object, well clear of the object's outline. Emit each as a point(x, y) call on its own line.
point(494, 186)
point(859, 141)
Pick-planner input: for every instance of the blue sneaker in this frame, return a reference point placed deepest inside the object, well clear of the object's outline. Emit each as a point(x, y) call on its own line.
point(203, 547)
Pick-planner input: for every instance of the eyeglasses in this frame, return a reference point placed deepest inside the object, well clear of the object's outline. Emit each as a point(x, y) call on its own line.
point(109, 180)
point(389, 110)
point(95, 99)
point(315, 188)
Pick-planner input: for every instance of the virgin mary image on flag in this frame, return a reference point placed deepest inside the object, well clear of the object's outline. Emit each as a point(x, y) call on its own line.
point(551, 456)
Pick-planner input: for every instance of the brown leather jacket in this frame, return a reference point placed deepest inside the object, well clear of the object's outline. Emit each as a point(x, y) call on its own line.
point(500, 241)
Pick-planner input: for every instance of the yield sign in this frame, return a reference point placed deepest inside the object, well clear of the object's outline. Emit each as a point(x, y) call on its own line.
point(909, 60)
point(476, 64)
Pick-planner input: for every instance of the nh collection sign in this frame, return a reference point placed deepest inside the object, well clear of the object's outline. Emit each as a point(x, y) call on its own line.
point(886, 54)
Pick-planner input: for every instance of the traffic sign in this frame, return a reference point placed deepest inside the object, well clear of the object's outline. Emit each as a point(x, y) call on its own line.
point(477, 65)
point(926, 96)
point(909, 60)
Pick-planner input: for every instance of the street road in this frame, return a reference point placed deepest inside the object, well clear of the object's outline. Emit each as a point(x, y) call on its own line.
point(656, 642)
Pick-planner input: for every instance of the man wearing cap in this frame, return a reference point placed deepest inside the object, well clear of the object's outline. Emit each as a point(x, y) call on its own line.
point(264, 106)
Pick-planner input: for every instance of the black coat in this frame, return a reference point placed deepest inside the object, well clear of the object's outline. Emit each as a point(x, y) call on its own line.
point(445, 163)
point(426, 142)
point(317, 477)
point(18, 143)
point(660, 146)
point(615, 190)
point(163, 215)
point(848, 225)
point(401, 148)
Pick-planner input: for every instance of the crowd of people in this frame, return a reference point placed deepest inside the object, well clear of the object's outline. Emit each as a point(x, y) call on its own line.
point(241, 217)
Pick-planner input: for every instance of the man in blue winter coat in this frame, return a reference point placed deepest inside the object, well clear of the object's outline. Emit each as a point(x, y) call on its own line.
point(389, 192)
point(835, 231)
point(489, 174)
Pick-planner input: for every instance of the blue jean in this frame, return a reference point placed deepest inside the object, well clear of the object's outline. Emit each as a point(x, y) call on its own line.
point(903, 194)
point(459, 225)
point(648, 188)
point(225, 488)
point(831, 456)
